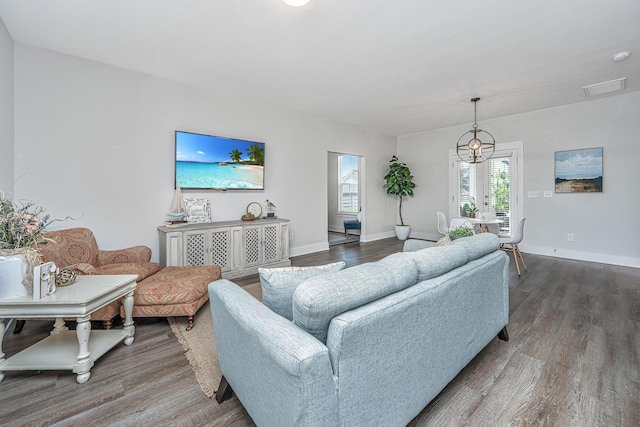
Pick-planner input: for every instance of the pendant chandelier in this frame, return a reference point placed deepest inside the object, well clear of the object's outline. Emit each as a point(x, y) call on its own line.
point(475, 150)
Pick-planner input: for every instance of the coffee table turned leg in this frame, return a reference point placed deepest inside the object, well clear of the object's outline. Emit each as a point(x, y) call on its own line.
point(128, 318)
point(59, 326)
point(83, 363)
point(190, 320)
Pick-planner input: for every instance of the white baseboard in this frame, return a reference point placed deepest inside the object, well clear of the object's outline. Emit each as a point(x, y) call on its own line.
point(621, 260)
point(413, 235)
point(308, 249)
point(377, 236)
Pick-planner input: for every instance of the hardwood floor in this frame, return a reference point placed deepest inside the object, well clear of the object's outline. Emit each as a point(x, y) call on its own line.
point(573, 359)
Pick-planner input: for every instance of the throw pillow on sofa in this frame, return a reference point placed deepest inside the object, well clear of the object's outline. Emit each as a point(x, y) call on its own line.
point(278, 284)
point(444, 241)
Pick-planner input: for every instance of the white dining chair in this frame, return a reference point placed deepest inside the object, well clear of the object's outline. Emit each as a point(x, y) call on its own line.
point(442, 223)
point(511, 245)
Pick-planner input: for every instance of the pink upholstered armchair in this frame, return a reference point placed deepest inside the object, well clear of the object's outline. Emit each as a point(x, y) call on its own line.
point(77, 248)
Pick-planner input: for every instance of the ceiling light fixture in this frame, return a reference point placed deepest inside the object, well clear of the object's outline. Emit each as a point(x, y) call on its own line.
point(474, 150)
point(296, 3)
point(621, 56)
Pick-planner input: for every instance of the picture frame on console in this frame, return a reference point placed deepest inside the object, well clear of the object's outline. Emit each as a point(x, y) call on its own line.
point(198, 210)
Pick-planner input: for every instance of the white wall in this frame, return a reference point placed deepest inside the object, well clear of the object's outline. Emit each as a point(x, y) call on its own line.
point(604, 224)
point(6, 110)
point(96, 142)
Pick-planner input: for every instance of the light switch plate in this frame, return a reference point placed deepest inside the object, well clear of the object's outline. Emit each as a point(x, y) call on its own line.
point(548, 193)
point(533, 194)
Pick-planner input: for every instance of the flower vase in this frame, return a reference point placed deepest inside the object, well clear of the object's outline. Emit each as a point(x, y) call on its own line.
point(13, 270)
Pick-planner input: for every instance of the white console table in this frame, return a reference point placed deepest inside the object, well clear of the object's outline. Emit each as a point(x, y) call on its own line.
point(64, 349)
point(238, 247)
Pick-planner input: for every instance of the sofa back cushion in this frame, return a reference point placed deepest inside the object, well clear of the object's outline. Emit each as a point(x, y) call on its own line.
point(278, 284)
point(319, 299)
point(71, 246)
point(478, 245)
point(412, 245)
point(437, 260)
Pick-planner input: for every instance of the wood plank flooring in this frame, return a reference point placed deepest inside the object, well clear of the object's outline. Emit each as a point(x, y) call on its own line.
point(573, 360)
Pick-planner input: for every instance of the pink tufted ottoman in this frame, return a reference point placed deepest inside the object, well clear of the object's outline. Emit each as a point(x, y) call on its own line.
point(174, 291)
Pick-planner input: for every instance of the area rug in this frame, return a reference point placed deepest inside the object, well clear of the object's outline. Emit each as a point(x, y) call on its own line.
point(200, 346)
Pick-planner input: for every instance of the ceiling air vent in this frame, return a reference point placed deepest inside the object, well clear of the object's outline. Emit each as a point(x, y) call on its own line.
point(605, 87)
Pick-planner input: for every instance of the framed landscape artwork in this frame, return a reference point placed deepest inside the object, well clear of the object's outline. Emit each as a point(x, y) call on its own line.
point(579, 171)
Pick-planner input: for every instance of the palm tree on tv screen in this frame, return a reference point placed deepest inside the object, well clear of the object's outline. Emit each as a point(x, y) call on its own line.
point(256, 154)
point(235, 155)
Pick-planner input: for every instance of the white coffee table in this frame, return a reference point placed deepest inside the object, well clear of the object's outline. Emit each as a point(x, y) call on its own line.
point(64, 349)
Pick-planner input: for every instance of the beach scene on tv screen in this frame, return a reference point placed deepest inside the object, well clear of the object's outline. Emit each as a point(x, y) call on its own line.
point(204, 161)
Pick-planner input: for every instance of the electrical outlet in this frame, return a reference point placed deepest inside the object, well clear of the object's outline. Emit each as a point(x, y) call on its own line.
point(570, 237)
point(533, 194)
point(292, 236)
point(548, 193)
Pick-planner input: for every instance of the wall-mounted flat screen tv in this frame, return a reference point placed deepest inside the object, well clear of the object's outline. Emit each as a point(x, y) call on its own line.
point(207, 162)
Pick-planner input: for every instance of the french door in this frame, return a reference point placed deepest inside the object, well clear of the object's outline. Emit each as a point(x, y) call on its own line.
point(494, 186)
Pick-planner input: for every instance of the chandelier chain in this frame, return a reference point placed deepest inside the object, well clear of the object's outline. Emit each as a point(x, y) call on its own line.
point(475, 114)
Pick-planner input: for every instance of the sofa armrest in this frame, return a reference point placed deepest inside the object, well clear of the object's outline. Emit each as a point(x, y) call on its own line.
point(263, 354)
point(132, 254)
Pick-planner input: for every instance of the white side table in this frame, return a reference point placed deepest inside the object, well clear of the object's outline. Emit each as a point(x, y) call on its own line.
point(64, 349)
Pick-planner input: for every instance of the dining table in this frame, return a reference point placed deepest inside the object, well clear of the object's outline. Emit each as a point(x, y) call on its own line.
point(484, 223)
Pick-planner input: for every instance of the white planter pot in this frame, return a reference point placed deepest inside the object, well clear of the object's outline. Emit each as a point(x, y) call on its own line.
point(12, 271)
point(402, 231)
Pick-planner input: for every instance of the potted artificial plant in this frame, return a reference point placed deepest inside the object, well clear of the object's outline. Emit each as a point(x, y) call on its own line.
point(470, 209)
point(461, 231)
point(399, 182)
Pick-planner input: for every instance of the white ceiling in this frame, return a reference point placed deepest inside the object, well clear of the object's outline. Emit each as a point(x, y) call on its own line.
point(398, 67)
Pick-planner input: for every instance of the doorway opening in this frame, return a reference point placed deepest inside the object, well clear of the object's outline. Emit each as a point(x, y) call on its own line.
point(344, 201)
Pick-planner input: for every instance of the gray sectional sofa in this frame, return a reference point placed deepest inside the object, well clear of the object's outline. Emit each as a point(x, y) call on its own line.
point(369, 345)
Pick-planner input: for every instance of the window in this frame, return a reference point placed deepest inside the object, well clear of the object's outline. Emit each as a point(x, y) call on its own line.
point(348, 176)
point(466, 186)
point(499, 191)
point(492, 185)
